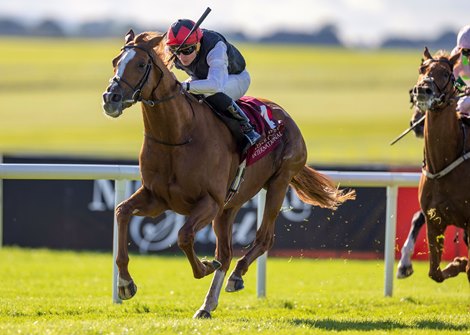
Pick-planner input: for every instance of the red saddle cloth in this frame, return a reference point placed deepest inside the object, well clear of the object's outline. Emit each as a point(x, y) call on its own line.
point(261, 118)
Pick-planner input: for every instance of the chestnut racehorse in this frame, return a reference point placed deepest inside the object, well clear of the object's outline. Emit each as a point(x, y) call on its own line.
point(444, 186)
point(188, 161)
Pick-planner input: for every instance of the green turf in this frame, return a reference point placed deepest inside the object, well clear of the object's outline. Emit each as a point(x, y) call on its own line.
point(349, 104)
point(51, 292)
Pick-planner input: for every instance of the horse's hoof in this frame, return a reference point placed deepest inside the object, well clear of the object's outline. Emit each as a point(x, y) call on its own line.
point(126, 289)
point(202, 314)
point(460, 262)
point(234, 284)
point(210, 267)
point(437, 277)
point(404, 271)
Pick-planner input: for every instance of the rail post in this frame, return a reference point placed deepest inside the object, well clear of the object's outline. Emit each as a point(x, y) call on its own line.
point(1, 207)
point(261, 261)
point(119, 196)
point(390, 235)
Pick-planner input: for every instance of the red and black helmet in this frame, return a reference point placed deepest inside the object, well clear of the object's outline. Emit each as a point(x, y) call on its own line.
point(179, 30)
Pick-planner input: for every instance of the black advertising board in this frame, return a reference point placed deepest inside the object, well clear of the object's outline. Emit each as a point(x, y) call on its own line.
point(78, 215)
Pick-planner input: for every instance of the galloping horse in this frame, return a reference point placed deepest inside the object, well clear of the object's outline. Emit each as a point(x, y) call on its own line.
point(443, 189)
point(188, 160)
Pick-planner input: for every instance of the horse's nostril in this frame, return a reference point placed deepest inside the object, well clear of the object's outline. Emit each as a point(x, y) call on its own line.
point(116, 98)
point(428, 91)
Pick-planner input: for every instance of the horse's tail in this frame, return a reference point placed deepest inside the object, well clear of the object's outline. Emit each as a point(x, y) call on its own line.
point(316, 189)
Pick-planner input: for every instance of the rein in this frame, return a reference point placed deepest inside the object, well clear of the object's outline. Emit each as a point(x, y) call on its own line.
point(189, 140)
point(168, 143)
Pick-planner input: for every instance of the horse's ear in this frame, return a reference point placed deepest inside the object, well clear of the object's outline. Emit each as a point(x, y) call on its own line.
point(155, 41)
point(129, 36)
point(453, 59)
point(427, 54)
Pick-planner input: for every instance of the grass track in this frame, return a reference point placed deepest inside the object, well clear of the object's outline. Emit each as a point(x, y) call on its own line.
point(51, 292)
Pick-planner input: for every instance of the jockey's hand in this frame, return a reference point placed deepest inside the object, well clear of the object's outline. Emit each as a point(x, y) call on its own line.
point(419, 129)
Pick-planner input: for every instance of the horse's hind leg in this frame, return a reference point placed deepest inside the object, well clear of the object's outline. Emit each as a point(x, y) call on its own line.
point(467, 242)
point(201, 215)
point(264, 236)
point(140, 203)
point(405, 268)
point(459, 264)
point(223, 253)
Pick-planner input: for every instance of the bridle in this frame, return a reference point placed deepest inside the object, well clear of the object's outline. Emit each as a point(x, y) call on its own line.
point(441, 99)
point(137, 89)
point(137, 95)
point(439, 103)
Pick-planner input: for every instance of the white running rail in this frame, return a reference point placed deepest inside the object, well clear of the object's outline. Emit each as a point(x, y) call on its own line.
point(122, 173)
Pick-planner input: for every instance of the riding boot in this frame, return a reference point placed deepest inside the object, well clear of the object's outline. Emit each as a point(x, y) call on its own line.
point(248, 130)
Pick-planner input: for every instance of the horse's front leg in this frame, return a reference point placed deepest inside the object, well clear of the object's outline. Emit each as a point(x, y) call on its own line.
point(140, 203)
point(405, 268)
point(436, 244)
point(200, 216)
point(223, 253)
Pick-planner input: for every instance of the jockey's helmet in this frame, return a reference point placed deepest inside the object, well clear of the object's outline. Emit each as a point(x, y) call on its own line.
point(179, 30)
point(463, 38)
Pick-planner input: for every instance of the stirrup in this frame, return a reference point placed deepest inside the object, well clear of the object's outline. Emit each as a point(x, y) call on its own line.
point(252, 136)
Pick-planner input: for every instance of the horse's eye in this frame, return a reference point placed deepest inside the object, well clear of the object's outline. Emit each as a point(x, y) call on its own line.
point(141, 65)
point(422, 69)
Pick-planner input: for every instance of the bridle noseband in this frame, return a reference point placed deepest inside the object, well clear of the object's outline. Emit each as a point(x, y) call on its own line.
point(137, 89)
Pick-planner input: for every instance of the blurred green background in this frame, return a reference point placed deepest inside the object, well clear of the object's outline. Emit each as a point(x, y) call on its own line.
point(348, 103)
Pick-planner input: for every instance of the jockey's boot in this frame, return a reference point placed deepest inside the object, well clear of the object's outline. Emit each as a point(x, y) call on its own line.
point(248, 130)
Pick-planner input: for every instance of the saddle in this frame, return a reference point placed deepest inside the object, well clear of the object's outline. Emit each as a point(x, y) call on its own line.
point(261, 118)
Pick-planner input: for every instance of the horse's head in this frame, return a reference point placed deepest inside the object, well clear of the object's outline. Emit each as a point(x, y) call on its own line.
point(435, 82)
point(133, 69)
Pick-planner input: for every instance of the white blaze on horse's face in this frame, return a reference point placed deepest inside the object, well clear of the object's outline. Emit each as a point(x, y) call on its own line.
point(113, 100)
point(126, 57)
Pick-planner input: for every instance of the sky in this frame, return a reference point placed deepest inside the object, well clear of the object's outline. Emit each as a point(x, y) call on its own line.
point(359, 22)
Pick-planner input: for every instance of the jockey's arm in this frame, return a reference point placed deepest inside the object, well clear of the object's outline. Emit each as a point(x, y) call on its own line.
point(217, 75)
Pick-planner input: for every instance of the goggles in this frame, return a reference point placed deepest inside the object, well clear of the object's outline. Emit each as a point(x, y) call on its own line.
point(465, 56)
point(185, 49)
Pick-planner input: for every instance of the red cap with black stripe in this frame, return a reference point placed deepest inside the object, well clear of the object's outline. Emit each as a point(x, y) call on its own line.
point(180, 29)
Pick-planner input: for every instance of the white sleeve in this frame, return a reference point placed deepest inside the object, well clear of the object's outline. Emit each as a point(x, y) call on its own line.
point(218, 72)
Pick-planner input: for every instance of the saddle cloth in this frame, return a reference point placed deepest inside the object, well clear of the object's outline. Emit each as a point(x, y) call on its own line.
point(261, 118)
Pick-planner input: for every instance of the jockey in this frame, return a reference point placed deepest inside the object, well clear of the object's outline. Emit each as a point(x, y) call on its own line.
point(216, 69)
point(462, 76)
point(462, 68)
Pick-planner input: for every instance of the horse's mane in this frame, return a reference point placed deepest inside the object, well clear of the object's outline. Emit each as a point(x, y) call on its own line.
point(146, 36)
point(441, 54)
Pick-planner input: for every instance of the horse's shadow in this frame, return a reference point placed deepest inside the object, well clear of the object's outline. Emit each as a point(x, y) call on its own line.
point(344, 325)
